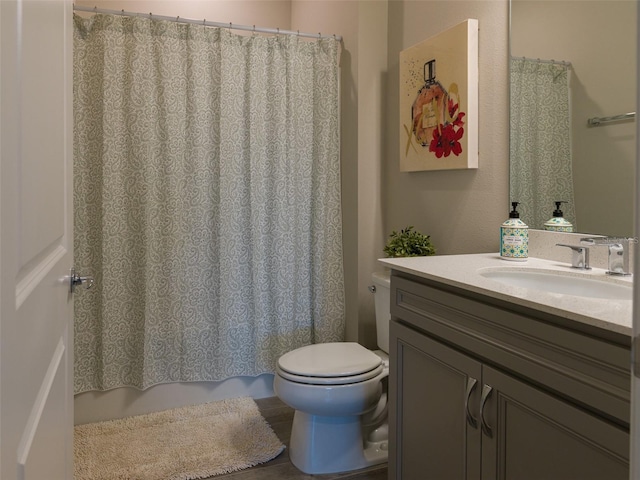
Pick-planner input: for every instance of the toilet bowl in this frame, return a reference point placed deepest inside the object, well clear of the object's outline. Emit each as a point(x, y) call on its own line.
point(338, 392)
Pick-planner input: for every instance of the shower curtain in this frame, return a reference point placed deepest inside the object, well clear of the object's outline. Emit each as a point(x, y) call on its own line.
point(207, 200)
point(540, 140)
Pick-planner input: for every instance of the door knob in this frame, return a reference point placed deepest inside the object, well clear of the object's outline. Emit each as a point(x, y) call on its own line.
point(75, 280)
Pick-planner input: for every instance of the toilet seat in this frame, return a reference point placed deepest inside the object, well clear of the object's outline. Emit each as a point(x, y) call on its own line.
point(330, 380)
point(336, 363)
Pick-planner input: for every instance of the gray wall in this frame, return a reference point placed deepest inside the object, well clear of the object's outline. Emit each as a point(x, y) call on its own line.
point(462, 210)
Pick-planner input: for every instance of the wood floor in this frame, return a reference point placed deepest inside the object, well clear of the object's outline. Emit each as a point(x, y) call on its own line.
point(280, 417)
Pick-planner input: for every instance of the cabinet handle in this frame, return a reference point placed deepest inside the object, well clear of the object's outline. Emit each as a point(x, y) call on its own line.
point(471, 385)
point(486, 392)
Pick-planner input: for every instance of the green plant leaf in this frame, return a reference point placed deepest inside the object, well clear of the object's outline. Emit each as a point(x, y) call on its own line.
point(409, 243)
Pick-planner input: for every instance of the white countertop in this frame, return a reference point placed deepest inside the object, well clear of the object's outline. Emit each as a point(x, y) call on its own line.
point(462, 271)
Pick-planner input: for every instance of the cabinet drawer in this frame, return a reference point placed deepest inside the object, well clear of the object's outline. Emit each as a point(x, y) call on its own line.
point(582, 367)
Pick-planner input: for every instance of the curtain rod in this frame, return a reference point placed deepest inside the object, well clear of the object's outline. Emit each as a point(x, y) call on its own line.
point(553, 62)
point(230, 26)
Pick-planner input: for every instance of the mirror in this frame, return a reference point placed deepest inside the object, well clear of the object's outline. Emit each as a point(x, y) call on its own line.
point(598, 39)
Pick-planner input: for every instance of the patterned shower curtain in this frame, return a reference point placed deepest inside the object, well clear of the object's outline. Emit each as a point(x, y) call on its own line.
point(540, 143)
point(207, 200)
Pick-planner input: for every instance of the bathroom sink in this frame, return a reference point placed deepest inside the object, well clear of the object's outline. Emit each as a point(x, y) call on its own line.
point(564, 283)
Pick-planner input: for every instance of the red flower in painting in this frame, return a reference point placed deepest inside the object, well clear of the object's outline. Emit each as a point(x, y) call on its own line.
point(446, 138)
point(452, 108)
point(454, 140)
point(458, 120)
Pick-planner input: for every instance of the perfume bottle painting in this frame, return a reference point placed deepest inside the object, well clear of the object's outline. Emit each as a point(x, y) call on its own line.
point(439, 109)
point(427, 111)
point(437, 119)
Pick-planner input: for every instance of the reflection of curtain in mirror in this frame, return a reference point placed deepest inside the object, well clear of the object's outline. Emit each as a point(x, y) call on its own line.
point(540, 143)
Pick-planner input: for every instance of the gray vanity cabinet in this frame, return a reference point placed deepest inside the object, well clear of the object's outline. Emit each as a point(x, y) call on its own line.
point(435, 439)
point(483, 390)
point(535, 436)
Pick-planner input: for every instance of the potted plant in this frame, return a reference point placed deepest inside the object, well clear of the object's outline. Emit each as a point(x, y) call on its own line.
point(409, 243)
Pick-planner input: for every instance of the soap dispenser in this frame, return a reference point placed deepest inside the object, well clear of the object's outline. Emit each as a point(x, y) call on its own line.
point(558, 223)
point(514, 237)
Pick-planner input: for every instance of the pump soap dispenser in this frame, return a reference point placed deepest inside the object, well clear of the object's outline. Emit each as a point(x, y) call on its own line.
point(514, 237)
point(558, 223)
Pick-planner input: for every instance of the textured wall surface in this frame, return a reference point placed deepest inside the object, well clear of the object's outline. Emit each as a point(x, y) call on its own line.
point(462, 210)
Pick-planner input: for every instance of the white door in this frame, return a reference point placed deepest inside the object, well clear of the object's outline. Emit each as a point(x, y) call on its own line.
point(36, 242)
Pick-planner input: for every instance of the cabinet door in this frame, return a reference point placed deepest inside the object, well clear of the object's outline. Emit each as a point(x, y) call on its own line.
point(433, 409)
point(531, 435)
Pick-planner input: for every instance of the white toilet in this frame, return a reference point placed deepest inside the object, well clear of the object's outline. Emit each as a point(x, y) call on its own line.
point(339, 394)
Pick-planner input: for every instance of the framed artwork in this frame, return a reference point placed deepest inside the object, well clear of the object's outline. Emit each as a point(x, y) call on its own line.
point(439, 101)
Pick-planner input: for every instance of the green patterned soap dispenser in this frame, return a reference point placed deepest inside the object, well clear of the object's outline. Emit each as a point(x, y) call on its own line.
point(514, 237)
point(558, 223)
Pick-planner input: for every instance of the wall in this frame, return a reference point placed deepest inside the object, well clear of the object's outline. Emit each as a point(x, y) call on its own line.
point(372, 141)
point(462, 210)
point(271, 13)
point(600, 44)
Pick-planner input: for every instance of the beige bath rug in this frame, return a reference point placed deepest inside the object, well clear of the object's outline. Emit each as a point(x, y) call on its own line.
point(179, 444)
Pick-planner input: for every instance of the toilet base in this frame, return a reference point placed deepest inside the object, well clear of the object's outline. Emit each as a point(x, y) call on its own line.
point(333, 444)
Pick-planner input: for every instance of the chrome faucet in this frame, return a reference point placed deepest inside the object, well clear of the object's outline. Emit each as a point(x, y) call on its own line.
point(579, 256)
point(618, 252)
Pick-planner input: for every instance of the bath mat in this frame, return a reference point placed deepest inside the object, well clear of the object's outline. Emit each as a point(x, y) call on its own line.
point(179, 444)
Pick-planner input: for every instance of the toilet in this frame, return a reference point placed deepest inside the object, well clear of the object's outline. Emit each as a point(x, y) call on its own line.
point(339, 394)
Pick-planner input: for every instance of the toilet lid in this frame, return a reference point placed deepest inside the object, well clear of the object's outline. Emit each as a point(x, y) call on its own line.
point(340, 359)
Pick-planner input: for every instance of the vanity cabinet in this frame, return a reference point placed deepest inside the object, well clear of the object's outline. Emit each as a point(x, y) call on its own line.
point(484, 389)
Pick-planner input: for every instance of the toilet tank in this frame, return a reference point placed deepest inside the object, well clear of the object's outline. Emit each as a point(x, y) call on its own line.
point(382, 295)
